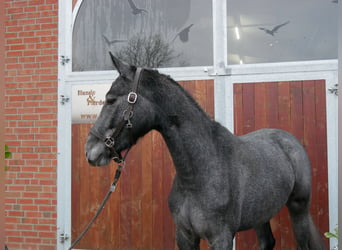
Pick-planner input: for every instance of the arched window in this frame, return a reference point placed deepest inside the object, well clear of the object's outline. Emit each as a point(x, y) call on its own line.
point(158, 33)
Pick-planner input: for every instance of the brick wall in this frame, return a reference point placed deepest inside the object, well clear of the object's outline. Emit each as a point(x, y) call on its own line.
point(31, 123)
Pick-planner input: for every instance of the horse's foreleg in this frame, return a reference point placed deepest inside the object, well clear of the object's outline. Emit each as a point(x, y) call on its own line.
point(265, 236)
point(221, 240)
point(186, 240)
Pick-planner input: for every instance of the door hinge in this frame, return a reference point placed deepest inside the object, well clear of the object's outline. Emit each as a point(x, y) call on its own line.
point(334, 89)
point(63, 237)
point(64, 99)
point(64, 60)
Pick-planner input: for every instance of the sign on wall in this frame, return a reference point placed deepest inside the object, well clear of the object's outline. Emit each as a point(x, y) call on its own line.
point(87, 101)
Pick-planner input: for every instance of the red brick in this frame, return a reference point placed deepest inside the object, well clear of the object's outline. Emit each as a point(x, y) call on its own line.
point(11, 23)
point(32, 40)
point(26, 34)
point(18, 47)
point(29, 220)
point(18, 3)
point(14, 29)
point(47, 234)
point(25, 227)
point(16, 98)
point(16, 188)
point(31, 27)
point(25, 175)
point(15, 213)
point(14, 10)
point(25, 22)
point(30, 117)
point(21, 182)
point(15, 41)
point(30, 9)
point(36, 2)
point(30, 233)
point(47, 182)
point(32, 240)
point(29, 195)
point(34, 188)
point(31, 52)
point(45, 7)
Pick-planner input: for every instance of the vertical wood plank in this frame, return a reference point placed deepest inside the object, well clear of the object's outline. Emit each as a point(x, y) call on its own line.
point(157, 192)
point(248, 107)
point(169, 227)
point(210, 98)
point(322, 162)
point(296, 103)
point(200, 94)
point(310, 136)
point(125, 207)
point(238, 111)
point(272, 104)
point(146, 204)
point(135, 181)
point(260, 105)
point(284, 106)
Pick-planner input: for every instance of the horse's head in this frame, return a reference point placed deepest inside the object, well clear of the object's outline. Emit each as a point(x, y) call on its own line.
point(126, 115)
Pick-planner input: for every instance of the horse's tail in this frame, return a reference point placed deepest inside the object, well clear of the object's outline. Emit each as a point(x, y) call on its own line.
point(316, 239)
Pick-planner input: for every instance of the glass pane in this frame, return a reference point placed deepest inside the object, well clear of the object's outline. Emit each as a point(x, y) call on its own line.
point(277, 31)
point(158, 33)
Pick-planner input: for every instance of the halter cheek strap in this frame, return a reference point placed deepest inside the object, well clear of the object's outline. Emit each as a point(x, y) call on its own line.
point(109, 140)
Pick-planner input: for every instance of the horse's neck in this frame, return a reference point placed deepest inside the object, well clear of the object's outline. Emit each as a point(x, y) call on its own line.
point(191, 139)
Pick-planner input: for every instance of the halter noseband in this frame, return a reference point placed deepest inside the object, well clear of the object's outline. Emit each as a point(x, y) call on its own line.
point(109, 140)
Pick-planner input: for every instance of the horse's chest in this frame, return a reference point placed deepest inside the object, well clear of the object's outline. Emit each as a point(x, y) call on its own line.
point(191, 213)
point(187, 213)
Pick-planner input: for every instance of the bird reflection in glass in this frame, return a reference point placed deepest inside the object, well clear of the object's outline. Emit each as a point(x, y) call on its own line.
point(274, 30)
point(183, 34)
point(135, 9)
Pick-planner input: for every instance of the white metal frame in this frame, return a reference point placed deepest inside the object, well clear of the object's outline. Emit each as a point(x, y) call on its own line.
point(224, 77)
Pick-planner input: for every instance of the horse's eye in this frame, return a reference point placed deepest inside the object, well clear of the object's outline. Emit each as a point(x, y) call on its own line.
point(110, 99)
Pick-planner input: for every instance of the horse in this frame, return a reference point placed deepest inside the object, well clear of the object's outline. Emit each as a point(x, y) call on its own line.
point(223, 183)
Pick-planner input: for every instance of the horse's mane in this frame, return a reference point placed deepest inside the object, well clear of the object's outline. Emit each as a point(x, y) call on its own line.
point(160, 78)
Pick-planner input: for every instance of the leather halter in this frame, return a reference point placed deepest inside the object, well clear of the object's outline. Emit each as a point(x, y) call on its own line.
point(110, 136)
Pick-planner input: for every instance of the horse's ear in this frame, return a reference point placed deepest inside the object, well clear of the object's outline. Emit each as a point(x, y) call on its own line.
point(123, 68)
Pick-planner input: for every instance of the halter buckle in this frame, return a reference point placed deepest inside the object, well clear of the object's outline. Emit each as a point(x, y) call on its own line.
point(109, 142)
point(132, 97)
point(118, 160)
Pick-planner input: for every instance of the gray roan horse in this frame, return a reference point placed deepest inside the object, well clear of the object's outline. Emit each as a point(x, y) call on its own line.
point(223, 183)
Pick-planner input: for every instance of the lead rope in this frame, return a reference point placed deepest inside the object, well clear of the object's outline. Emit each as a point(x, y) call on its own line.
point(112, 188)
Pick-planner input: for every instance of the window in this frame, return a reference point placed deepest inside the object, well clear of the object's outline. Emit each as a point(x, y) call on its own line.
point(151, 33)
point(278, 31)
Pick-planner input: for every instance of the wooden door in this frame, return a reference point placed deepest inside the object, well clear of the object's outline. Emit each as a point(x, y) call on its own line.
point(300, 108)
point(137, 214)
